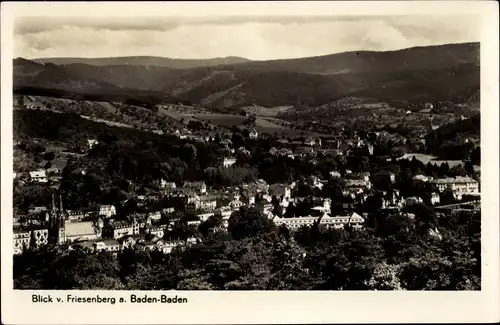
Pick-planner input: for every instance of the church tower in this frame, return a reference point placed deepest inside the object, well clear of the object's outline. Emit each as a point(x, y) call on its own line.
point(61, 223)
point(57, 221)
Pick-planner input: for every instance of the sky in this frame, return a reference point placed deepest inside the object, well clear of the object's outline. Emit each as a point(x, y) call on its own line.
point(255, 38)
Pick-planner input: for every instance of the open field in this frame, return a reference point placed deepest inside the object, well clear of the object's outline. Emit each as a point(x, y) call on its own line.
point(266, 111)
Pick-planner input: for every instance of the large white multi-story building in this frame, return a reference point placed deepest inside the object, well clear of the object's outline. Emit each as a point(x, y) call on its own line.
point(459, 186)
point(22, 239)
point(355, 220)
point(30, 238)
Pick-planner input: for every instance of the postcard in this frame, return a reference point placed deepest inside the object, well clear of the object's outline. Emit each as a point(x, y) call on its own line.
point(250, 162)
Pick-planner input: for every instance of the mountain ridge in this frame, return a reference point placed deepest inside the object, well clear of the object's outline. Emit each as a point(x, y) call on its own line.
point(447, 72)
point(159, 61)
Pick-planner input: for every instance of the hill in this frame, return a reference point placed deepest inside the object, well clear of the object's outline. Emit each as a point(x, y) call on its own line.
point(415, 75)
point(146, 61)
point(415, 58)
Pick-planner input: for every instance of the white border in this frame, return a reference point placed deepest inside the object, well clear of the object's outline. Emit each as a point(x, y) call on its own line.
point(272, 307)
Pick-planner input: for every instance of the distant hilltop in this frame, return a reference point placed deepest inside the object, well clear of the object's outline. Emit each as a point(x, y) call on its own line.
point(146, 61)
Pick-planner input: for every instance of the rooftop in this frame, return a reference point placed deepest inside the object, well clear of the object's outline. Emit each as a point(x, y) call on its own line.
point(80, 228)
point(458, 179)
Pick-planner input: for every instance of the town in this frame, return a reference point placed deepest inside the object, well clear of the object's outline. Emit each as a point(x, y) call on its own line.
point(341, 182)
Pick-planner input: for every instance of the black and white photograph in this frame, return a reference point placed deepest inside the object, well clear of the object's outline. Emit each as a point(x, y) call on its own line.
point(247, 152)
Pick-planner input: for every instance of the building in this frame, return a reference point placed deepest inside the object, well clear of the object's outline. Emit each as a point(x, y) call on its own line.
point(228, 161)
point(22, 240)
point(421, 178)
point(155, 216)
point(38, 176)
point(37, 210)
point(357, 186)
point(164, 185)
point(199, 187)
point(236, 204)
point(207, 203)
point(253, 134)
point(304, 151)
point(77, 215)
point(107, 245)
point(335, 174)
point(61, 230)
point(119, 229)
point(312, 142)
point(157, 231)
point(316, 182)
point(248, 198)
point(39, 237)
point(107, 211)
point(370, 149)
point(91, 143)
point(204, 216)
point(78, 231)
point(435, 199)
point(359, 176)
point(53, 170)
point(413, 200)
point(158, 244)
point(337, 222)
point(459, 186)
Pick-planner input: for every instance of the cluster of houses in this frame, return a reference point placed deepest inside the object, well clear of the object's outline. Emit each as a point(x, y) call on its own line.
point(102, 230)
point(38, 176)
point(147, 230)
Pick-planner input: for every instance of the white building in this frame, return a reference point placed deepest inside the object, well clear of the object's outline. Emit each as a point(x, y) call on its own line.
point(199, 187)
point(157, 231)
point(228, 161)
point(335, 174)
point(119, 229)
point(107, 210)
point(459, 186)
point(108, 245)
point(39, 176)
point(155, 216)
point(421, 178)
point(337, 222)
point(253, 134)
point(91, 143)
point(40, 237)
point(435, 199)
point(356, 186)
point(22, 239)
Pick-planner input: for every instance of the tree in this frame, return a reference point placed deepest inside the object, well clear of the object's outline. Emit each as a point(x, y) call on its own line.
point(424, 216)
point(385, 277)
point(287, 269)
point(211, 223)
point(475, 156)
point(49, 155)
point(249, 222)
point(237, 140)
